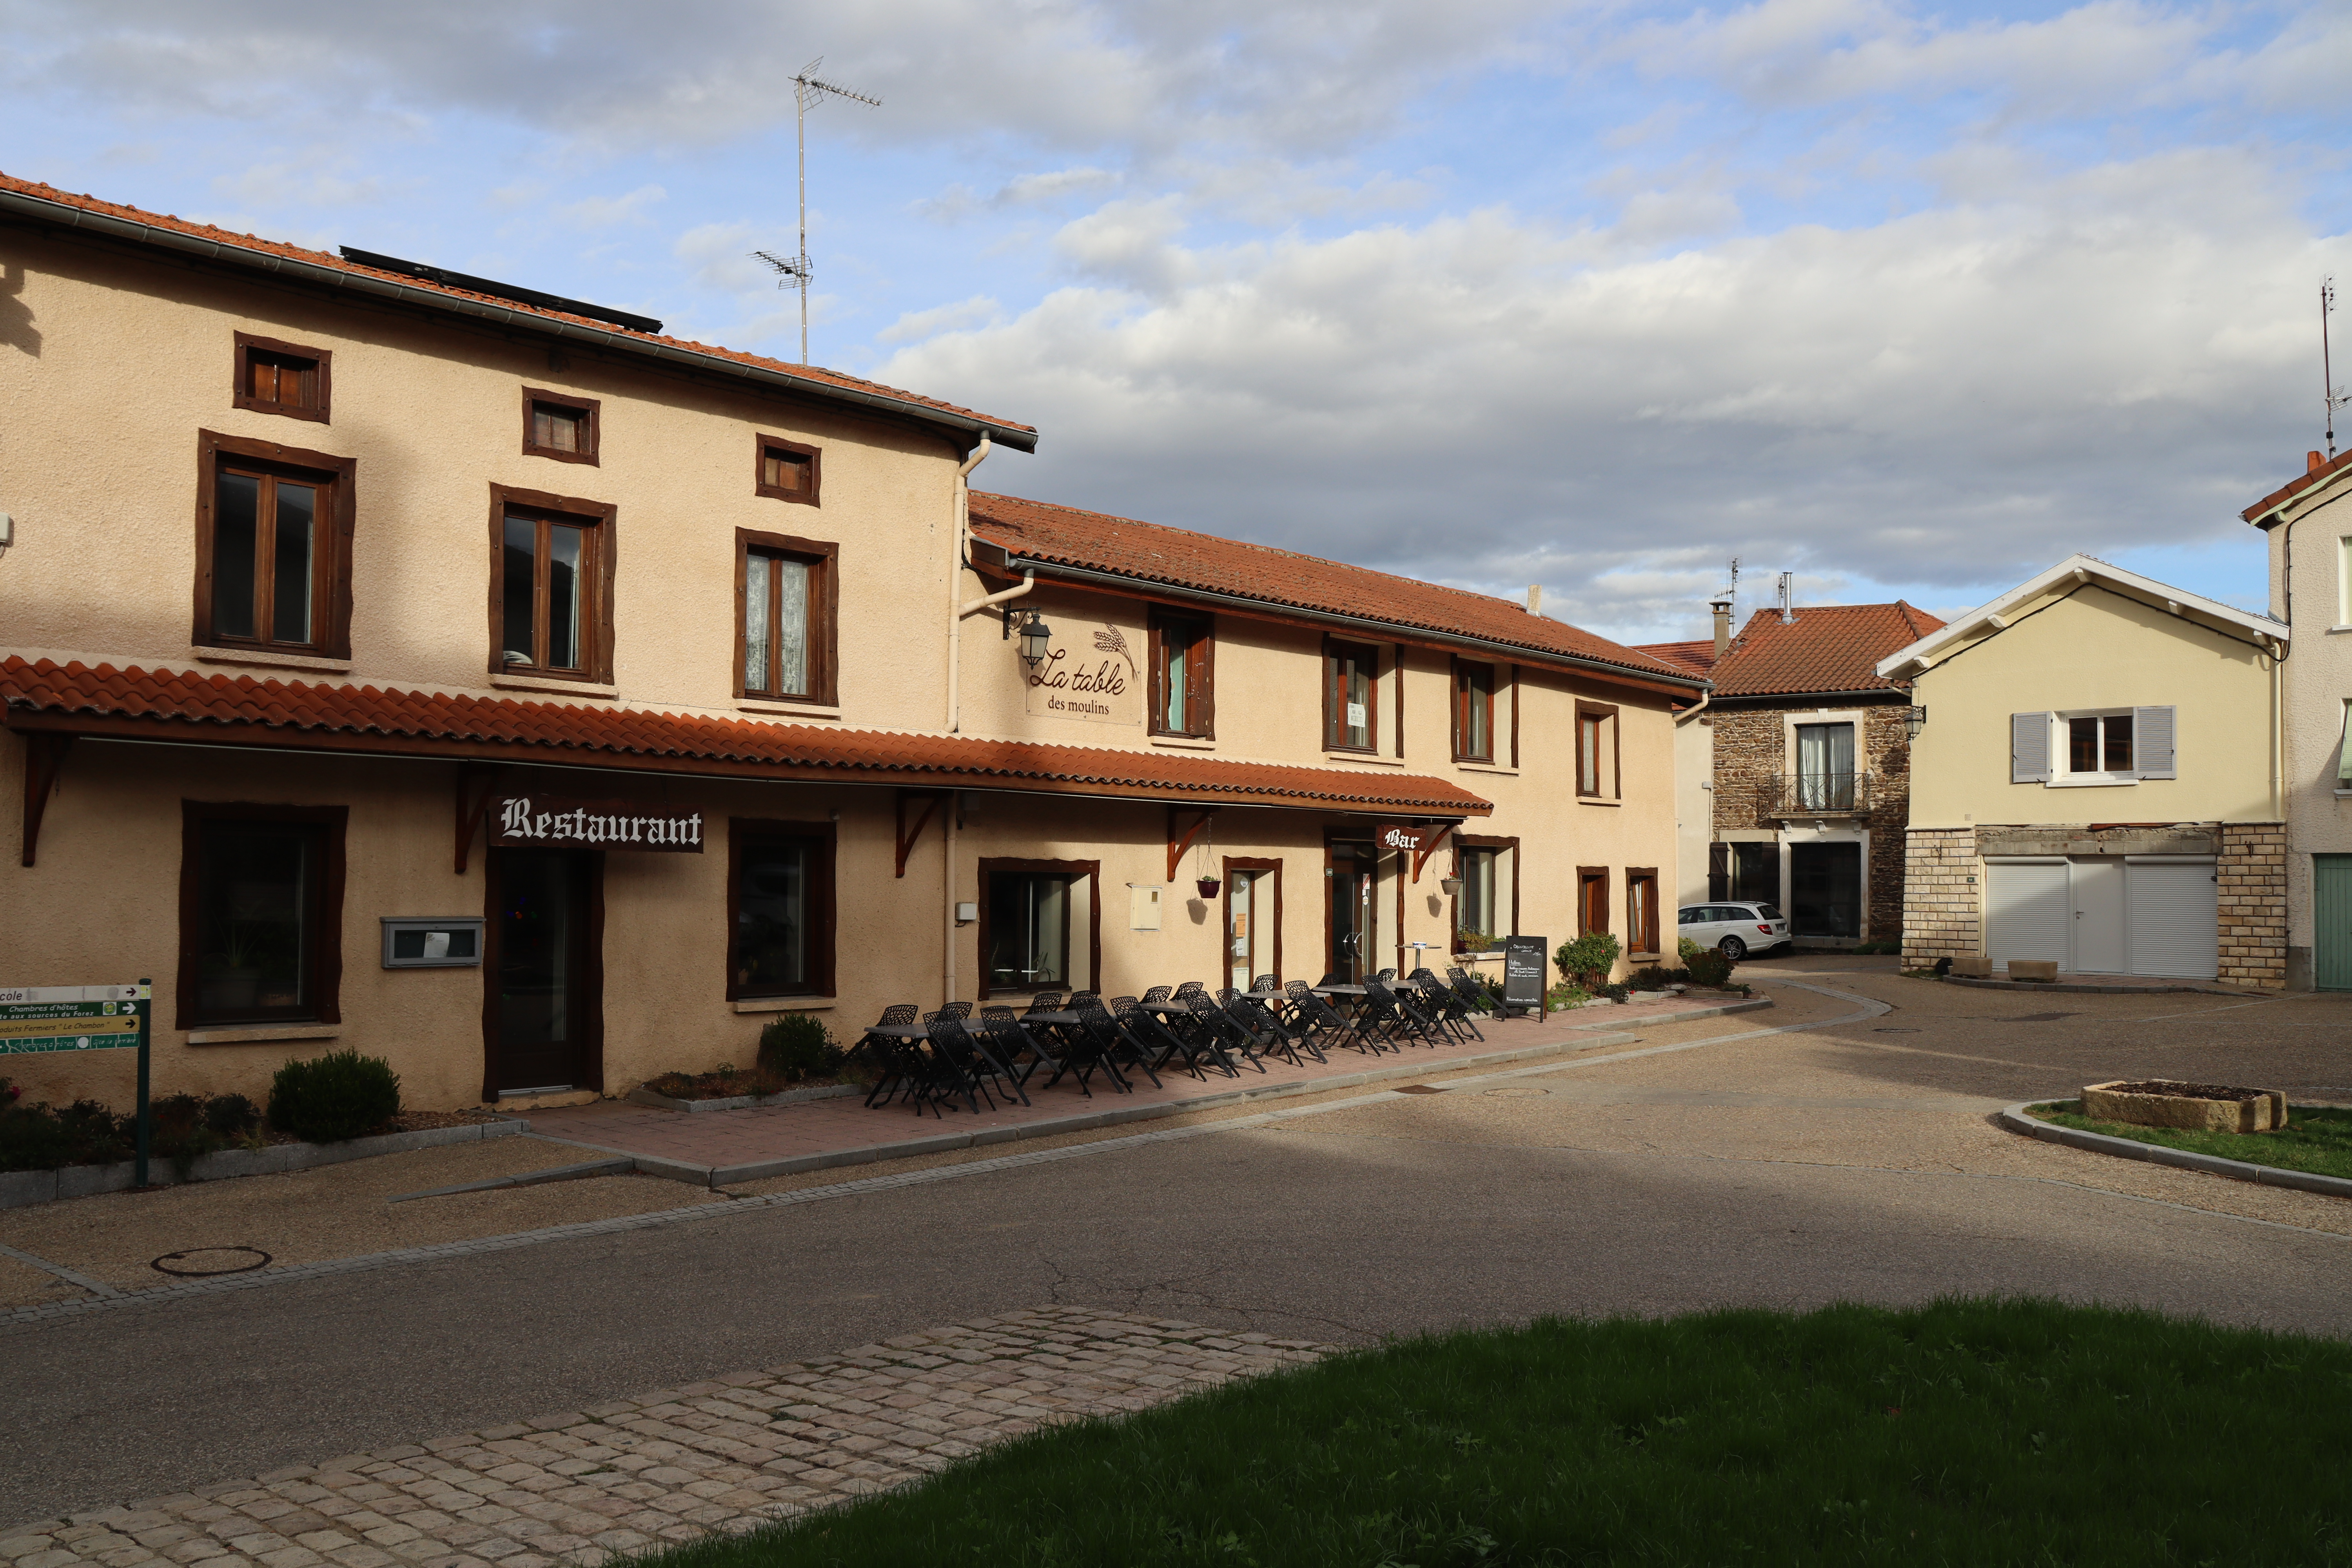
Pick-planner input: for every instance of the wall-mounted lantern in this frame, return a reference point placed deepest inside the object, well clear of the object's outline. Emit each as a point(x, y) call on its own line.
point(1035, 639)
point(1914, 721)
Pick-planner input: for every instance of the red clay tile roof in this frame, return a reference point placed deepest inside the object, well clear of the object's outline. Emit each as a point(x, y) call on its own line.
point(218, 709)
point(1180, 558)
point(1828, 648)
point(254, 244)
point(2299, 484)
point(1698, 657)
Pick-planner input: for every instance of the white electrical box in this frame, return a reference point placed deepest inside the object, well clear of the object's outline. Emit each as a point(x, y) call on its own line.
point(967, 914)
point(1143, 906)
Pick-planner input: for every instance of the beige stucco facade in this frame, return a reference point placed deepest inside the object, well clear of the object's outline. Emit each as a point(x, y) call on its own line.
point(128, 359)
point(2083, 640)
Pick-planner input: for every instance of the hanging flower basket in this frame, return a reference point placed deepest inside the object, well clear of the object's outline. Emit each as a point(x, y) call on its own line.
point(1207, 886)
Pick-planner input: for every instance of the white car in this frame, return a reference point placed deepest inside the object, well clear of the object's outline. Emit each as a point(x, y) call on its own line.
point(1737, 929)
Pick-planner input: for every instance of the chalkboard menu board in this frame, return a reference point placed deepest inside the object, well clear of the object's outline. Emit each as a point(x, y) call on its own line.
point(1523, 974)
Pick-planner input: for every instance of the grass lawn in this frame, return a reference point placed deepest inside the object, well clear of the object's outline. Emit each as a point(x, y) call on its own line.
point(1966, 1432)
point(2316, 1138)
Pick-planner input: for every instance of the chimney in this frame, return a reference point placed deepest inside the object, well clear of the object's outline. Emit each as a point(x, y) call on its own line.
point(1535, 598)
point(1722, 608)
point(1788, 598)
point(2312, 462)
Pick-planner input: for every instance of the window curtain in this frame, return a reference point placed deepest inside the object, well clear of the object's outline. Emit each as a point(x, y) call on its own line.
point(1825, 767)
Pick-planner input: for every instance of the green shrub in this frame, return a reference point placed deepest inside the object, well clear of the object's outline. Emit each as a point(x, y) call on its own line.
point(38, 1138)
point(797, 1045)
point(1587, 960)
point(1614, 992)
point(1711, 967)
point(333, 1098)
point(1650, 977)
point(1684, 947)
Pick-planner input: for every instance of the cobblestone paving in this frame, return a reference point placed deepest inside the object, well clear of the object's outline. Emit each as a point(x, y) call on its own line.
point(669, 1466)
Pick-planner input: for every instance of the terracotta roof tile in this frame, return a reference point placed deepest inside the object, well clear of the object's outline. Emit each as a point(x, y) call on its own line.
point(258, 246)
point(1180, 557)
point(220, 709)
point(1828, 648)
point(2300, 483)
point(1698, 657)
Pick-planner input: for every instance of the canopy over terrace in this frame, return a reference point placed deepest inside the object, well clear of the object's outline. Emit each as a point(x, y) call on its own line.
point(55, 703)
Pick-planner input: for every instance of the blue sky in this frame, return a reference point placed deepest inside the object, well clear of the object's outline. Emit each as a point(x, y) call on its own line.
point(1906, 299)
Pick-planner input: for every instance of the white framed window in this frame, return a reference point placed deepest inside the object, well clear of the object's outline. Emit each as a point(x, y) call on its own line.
point(2344, 581)
point(2098, 745)
point(2075, 747)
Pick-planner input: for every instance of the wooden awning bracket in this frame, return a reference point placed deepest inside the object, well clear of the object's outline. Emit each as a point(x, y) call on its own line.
point(472, 803)
point(1420, 857)
point(908, 836)
point(1176, 847)
point(44, 760)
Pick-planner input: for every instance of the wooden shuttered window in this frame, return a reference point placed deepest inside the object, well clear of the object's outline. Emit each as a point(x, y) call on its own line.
point(1183, 675)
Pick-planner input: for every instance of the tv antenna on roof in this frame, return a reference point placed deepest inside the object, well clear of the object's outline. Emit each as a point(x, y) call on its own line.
point(2334, 393)
point(808, 92)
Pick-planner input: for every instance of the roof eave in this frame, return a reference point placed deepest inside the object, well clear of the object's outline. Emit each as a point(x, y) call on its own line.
point(130, 229)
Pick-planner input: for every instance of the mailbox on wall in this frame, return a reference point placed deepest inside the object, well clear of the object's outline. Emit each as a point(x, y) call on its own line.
point(425, 942)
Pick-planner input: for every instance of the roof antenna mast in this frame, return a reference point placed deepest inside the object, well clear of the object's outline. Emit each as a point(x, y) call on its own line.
point(808, 92)
point(2334, 393)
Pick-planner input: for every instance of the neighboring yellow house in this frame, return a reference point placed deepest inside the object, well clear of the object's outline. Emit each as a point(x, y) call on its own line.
point(411, 663)
point(2095, 782)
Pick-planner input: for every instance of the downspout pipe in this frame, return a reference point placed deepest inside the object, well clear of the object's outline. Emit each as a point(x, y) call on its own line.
point(957, 564)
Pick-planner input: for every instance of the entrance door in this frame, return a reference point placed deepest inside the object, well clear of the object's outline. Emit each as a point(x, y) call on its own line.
point(1825, 889)
point(2097, 885)
point(2331, 908)
point(1249, 905)
point(1354, 920)
point(542, 1017)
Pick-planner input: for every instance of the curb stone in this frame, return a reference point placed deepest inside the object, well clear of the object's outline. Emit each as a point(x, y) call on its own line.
point(644, 1096)
point(20, 1188)
point(1751, 1006)
point(2017, 1118)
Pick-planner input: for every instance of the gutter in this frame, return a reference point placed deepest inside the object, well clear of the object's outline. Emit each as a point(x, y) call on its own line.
point(1009, 564)
point(311, 272)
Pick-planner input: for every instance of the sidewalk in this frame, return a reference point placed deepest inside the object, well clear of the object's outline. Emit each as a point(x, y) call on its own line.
point(725, 1147)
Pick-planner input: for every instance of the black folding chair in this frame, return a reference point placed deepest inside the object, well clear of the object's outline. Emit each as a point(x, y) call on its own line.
point(1387, 1014)
point(1162, 1041)
point(956, 1068)
point(1020, 1052)
point(1090, 1044)
point(1273, 1032)
point(1445, 1008)
point(1325, 1021)
point(1267, 982)
point(1473, 995)
point(884, 1051)
point(1213, 1026)
point(1156, 994)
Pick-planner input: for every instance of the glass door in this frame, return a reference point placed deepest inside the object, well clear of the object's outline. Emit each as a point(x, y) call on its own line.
point(1353, 921)
point(1242, 898)
point(547, 1002)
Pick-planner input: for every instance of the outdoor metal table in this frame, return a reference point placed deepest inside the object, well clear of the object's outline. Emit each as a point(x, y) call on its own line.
point(900, 1031)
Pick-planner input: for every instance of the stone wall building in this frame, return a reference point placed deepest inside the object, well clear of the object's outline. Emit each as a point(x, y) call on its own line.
point(2093, 782)
point(1794, 779)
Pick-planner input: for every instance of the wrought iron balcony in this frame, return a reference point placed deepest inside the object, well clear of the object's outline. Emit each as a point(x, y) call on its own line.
point(1818, 794)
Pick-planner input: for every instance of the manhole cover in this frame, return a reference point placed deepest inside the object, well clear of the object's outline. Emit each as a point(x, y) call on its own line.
point(1515, 1093)
point(1419, 1088)
point(203, 1262)
point(1894, 1031)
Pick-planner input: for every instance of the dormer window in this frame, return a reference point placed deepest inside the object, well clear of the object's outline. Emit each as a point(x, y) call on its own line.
point(557, 426)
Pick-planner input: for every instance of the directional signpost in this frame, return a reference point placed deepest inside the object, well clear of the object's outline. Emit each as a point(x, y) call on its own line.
point(81, 1018)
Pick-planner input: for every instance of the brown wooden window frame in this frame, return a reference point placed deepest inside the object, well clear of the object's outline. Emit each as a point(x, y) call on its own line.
point(600, 519)
point(318, 372)
point(1075, 871)
point(325, 912)
point(823, 560)
point(1613, 734)
point(1498, 846)
point(1335, 700)
point(1634, 946)
point(1588, 877)
point(1257, 866)
point(763, 445)
point(1463, 697)
point(1200, 675)
point(330, 552)
point(594, 426)
point(746, 832)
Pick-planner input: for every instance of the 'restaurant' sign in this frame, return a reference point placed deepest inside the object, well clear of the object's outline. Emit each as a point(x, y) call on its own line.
point(549, 822)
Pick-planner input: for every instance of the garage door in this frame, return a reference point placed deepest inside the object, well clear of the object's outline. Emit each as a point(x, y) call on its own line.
point(2026, 910)
point(2175, 926)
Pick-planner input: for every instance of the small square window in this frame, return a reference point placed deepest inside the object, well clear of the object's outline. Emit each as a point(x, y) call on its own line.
point(786, 470)
point(275, 377)
point(557, 426)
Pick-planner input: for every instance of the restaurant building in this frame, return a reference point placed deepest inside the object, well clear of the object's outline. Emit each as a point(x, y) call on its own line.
point(407, 662)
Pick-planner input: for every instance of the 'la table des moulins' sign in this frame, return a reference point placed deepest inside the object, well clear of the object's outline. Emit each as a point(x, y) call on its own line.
point(1091, 673)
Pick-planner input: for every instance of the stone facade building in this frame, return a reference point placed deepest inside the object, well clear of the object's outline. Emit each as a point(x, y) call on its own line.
point(1794, 777)
point(2093, 783)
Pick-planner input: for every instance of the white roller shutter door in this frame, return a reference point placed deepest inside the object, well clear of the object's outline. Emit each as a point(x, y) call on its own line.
point(2026, 912)
point(2175, 925)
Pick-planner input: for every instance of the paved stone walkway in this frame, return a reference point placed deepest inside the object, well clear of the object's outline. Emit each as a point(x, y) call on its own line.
point(633, 1475)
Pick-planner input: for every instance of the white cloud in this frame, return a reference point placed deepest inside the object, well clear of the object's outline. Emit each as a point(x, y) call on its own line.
point(608, 212)
point(1954, 397)
point(962, 316)
point(291, 183)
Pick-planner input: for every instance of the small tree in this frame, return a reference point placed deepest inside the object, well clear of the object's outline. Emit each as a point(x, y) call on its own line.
point(1589, 961)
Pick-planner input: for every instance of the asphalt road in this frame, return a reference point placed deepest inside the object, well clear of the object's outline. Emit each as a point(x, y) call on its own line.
point(1845, 1163)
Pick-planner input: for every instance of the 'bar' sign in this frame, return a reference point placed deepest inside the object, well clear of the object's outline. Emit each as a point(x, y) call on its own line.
point(546, 822)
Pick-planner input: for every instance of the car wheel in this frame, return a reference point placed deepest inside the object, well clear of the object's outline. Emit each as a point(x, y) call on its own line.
point(1733, 949)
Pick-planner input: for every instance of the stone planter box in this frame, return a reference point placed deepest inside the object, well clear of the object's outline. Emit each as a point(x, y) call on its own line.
point(644, 1096)
point(2031, 968)
point(2244, 1110)
point(20, 1188)
point(1973, 968)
